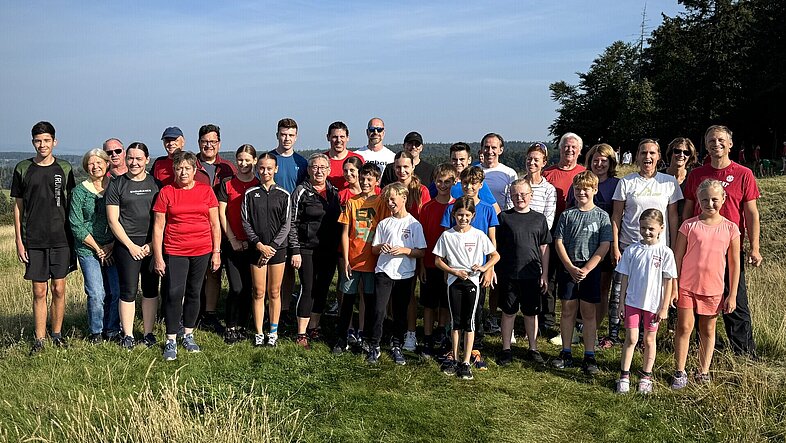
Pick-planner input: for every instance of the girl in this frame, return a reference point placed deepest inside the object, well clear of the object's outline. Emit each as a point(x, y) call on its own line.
point(460, 252)
point(648, 269)
point(708, 244)
point(351, 169)
point(237, 255)
point(266, 222)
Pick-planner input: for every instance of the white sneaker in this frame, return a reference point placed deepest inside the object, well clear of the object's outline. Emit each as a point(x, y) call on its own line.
point(623, 386)
point(410, 341)
point(645, 386)
point(259, 340)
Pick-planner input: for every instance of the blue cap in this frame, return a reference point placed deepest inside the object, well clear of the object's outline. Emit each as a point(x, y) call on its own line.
point(172, 132)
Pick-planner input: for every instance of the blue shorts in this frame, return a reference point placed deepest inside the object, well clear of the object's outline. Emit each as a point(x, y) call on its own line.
point(351, 286)
point(588, 290)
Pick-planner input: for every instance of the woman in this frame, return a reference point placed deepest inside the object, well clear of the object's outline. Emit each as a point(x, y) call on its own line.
point(236, 252)
point(313, 242)
point(682, 156)
point(186, 240)
point(544, 194)
point(129, 201)
point(93, 244)
point(266, 221)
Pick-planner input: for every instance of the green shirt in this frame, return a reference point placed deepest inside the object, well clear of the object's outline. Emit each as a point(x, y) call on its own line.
point(88, 216)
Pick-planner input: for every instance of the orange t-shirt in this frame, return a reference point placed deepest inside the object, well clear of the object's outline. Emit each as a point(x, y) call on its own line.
point(362, 215)
point(704, 263)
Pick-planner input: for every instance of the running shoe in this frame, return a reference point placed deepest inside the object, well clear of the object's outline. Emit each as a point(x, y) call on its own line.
point(448, 366)
point(190, 344)
point(313, 334)
point(95, 338)
point(272, 340)
point(504, 357)
point(703, 379)
point(259, 340)
point(127, 342)
point(464, 371)
point(563, 360)
point(59, 341)
point(476, 360)
point(352, 339)
point(623, 385)
point(170, 350)
point(680, 380)
point(590, 366)
point(372, 357)
point(535, 357)
point(302, 341)
point(645, 386)
point(38, 346)
point(340, 347)
point(410, 341)
point(397, 356)
point(231, 336)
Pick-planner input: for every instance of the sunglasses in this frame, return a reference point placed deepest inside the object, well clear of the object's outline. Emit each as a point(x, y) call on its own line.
point(117, 151)
point(376, 129)
point(685, 152)
point(540, 146)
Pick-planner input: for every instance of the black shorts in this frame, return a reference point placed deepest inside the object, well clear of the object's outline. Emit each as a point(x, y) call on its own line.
point(48, 263)
point(588, 290)
point(279, 257)
point(434, 293)
point(524, 294)
point(463, 301)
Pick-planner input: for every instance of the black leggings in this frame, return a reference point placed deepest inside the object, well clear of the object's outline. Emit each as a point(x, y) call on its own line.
point(463, 298)
point(183, 280)
point(386, 288)
point(238, 269)
point(316, 273)
point(129, 270)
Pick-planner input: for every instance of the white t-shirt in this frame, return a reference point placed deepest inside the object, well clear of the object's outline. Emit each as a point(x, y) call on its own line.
point(641, 193)
point(544, 200)
point(406, 232)
point(381, 158)
point(646, 267)
point(461, 250)
point(499, 179)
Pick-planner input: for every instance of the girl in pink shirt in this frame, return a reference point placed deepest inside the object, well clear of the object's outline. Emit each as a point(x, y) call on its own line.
point(706, 246)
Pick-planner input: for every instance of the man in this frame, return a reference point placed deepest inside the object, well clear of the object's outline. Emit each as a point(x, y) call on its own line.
point(117, 157)
point(561, 176)
point(498, 176)
point(338, 137)
point(413, 143)
point(41, 187)
point(740, 208)
point(292, 167)
point(162, 168)
point(375, 152)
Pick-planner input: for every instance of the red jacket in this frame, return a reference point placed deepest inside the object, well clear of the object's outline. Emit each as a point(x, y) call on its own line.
point(163, 171)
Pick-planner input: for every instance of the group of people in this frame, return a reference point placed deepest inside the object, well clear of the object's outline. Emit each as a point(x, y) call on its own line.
point(627, 247)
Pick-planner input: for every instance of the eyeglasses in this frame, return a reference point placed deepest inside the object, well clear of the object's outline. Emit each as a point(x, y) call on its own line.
point(415, 144)
point(685, 152)
point(319, 168)
point(520, 195)
point(376, 129)
point(117, 151)
point(208, 142)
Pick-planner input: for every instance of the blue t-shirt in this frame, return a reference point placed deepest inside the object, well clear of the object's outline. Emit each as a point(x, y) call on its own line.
point(603, 199)
point(292, 170)
point(456, 191)
point(485, 217)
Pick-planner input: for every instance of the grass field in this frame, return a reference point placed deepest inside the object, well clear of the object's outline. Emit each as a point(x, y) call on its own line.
point(91, 393)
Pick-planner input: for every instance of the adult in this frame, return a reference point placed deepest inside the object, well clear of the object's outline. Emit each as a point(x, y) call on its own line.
point(413, 144)
point(117, 157)
point(338, 137)
point(93, 243)
point(186, 240)
point(498, 176)
point(783, 158)
point(375, 152)
point(174, 141)
point(682, 157)
point(129, 203)
point(292, 167)
point(41, 188)
point(313, 243)
point(627, 158)
point(461, 158)
point(740, 208)
point(544, 194)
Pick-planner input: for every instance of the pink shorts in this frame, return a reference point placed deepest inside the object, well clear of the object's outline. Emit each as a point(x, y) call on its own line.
point(634, 317)
point(700, 304)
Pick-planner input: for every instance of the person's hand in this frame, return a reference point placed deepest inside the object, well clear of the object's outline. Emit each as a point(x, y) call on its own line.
point(729, 304)
point(215, 261)
point(21, 253)
point(422, 274)
point(575, 274)
point(663, 314)
point(462, 274)
point(159, 267)
point(673, 299)
point(544, 284)
point(754, 258)
point(399, 250)
point(138, 252)
point(488, 278)
point(296, 261)
point(347, 269)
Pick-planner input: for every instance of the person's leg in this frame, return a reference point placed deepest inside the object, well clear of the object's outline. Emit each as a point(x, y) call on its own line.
point(548, 318)
point(57, 309)
point(454, 306)
point(175, 283)
point(349, 287)
point(470, 305)
point(632, 316)
point(149, 295)
point(40, 289)
point(305, 303)
point(197, 266)
point(738, 325)
point(480, 333)
point(233, 264)
point(685, 321)
point(603, 307)
point(275, 273)
point(287, 286)
point(567, 322)
point(650, 350)
point(259, 277)
point(212, 290)
point(324, 269)
point(588, 314)
point(94, 289)
point(128, 279)
point(376, 305)
point(111, 300)
point(506, 328)
point(531, 328)
point(614, 305)
point(707, 343)
point(401, 300)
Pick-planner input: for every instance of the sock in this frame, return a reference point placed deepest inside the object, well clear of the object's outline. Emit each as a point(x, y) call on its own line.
point(624, 374)
point(646, 374)
point(566, 351)
point(589, 354)
point(274, 329)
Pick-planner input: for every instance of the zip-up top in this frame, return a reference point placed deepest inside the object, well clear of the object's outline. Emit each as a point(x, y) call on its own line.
point(314, 219)
point(266, 216)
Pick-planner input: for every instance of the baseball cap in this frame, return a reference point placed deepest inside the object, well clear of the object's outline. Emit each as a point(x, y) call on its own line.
point(413, 137)
point(172, 132)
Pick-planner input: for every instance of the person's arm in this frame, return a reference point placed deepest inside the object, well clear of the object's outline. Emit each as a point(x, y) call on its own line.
point(562, 254)
point(674, 223)
point(680, 247)
point(215, 234)
point(222, 219)
point(752, 228)
point(19, 209)
point(623, 295)
point(347, 269)
point(733, 263)
point(294, 243)
point(113, 218)
point(550, 206)
point(497, 210)
point(616, 224)
point(283, 233)
point(596, 258)
point(442, 266)
point(487, 270)
point(663, 312)
point(544, 274)
point(159, 223)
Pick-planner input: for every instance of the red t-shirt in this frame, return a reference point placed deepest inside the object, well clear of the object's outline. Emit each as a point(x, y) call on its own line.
point(187, 231)
point(337, 170)
point(431, 219)
point(164, 171)
point(740, 186)
point(562, 181)
point(425, 197)
point(232, 193)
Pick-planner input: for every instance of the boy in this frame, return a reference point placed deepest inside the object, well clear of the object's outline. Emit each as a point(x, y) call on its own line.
point(433, 289)
point(523, 268)
point(582, 238)
point(42, 187)
point(360, 218)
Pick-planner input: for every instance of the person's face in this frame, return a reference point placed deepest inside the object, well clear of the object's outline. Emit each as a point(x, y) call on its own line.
point(463, 218)
point(711, 200)
point(403, 168)
point(267, 169)
point(96, 167)
point(117, 156)
point(569, 154)
point(680, 155)
point(375, 132)
point(338, 139)
point(584, 195)
point(648, 158)
point(319, 170)
point(491, 150)
point(600, 165)
point(471, 188)
point(173, 145)
point(718, 144)
point(396, 202)
point(650, 231)
point(444, 183)
point(535, 162)
point(350, 173)
point(245, 163)
point(43, 144)
point(136, 161)
point(460, 160)
point(367, 183)
point(209, 145)
point(414, 148)
point(184, 173)
point(286, 138)
point(521, 196)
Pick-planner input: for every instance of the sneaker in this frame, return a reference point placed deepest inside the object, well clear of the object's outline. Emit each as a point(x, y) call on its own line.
point(535, 357)
point(149, 340)
point(410, 341)
point(302, 341)
point(127, 342)
point(645, 386)
point(449, 364)
point(59, 341)
point(113, 337)
point(702, 379)
point(504, 357)
point(170, 350)
point(313, 334)
point(210, 322)
point(623, 385)
point(563, 360)
point(95, 338)
point(189, 343)
point(363, 345)
point(332, 311)
point(230, 336)
point(398, 357)
point(605, 343)
point(38, 346)
point(476, 360)
point(590, 366)
point(272, 340)
point(492, 325)
point(680, 380)
point(352, 339)
point(372, 357)
point(464, 371)
point(340, 347)
point(259, 340)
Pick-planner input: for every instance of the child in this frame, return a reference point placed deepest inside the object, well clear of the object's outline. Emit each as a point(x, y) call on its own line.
point(399, 242)
point(360, 218)
point(523, 268)
point(41, 187)
point(648, 271)
point(433, 289)
point(707, 244)
point(460, 252)
point(581, 240)
point(351, 168)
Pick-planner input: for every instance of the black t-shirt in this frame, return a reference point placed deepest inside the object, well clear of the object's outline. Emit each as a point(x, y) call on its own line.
point(45, 191)
point(423, 170)
point(135, 199)
point(519, 236)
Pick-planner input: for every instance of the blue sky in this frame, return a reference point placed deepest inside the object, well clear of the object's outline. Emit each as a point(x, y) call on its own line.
point(450, 70)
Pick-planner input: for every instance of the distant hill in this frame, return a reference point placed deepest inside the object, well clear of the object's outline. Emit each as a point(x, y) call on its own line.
point(9, 159)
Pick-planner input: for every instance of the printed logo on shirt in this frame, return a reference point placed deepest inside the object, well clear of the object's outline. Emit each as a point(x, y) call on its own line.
point(729, 179)
point(405, 233)
point(470, 246)
point(58, 188)
point(140, 191)
point(592, 227)
point(257, 195)
point(657, 260)
point(648, 192)
point(363, 219)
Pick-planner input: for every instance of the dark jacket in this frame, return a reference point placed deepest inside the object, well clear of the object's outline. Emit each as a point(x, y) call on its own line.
point(314, 220)
point(266, 216)
point(224, 169)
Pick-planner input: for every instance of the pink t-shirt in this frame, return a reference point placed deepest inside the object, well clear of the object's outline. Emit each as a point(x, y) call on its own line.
point(704, 263)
